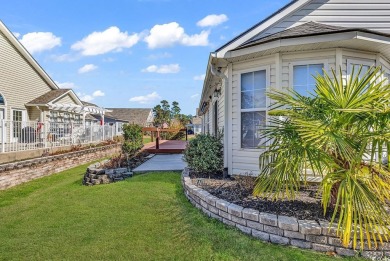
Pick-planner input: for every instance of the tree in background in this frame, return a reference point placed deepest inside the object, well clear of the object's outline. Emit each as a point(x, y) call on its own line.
point(164, 113)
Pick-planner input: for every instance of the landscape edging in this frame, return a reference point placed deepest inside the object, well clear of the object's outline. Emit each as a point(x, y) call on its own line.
point(12, 174)
point(278, 229)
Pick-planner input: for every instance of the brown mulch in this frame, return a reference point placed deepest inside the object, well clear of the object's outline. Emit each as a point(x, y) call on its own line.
point(238, 190)
point(120, 161)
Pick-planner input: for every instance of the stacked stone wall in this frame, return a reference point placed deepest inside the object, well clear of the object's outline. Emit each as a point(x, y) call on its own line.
point(278, 229)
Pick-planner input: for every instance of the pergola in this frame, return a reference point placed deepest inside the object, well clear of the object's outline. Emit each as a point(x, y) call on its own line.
point(81, 109)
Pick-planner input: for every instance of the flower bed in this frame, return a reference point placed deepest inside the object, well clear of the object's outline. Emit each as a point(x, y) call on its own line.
point(279, 229)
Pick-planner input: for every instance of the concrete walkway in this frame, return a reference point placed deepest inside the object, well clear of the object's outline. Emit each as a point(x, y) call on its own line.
point(162, 162)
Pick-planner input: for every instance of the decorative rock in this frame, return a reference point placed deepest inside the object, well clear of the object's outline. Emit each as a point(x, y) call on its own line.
point(323, 248)
point(235, 210)
point(309, 227)
point(288, 223)
point(300, 243)
point(109, 171)
point(261, 235)
point(345, 251)
point(279, 240)
point(268, 219)
point(251, 214)
point(120, 170)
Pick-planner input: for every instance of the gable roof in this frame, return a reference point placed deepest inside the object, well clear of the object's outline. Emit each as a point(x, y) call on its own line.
point(261, 26)
point(49, 96)
point(27, 56)
point(132, 115)
point(304, 30)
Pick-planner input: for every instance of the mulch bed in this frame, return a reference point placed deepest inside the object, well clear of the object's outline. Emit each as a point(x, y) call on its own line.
point(238, 190)
point(120, 161)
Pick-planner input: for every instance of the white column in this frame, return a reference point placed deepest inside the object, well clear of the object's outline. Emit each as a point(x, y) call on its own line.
point(3, 137)
point(103, 126)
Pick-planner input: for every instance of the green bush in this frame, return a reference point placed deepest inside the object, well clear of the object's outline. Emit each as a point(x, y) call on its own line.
point(133, 138)
point(204, 153)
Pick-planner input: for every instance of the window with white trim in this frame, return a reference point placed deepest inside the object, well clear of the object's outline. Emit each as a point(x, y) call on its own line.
point(253, 108)
point(303, 78)
point(354, 64)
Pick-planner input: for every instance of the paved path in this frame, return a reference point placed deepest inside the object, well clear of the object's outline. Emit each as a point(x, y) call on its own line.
point(162, 162)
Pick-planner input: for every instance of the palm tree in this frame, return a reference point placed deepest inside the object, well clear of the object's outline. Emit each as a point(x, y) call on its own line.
point(339, 133)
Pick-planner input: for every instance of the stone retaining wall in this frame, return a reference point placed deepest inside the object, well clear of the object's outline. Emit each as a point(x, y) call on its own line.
point(16, 173)
point(284, 230)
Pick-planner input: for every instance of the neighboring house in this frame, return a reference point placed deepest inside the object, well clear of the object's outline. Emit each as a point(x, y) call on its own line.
point(141, 116)
point(29, 98)
point(196, 125)
point(284, 51)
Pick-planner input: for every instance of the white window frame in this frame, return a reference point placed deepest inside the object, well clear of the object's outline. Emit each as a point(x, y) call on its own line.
point(291, 65)
point(4, 107)
point(358, 61)
point(24, 119)
point(267, 69)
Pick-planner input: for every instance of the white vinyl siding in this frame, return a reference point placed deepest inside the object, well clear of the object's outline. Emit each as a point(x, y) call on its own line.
point(374, 15)
point(19, 82)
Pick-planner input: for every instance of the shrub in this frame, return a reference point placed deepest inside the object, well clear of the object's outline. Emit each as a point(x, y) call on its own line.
point(133, 138)
point(204, 153)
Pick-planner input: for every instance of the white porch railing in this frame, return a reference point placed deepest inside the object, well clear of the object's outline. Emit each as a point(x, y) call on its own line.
point(28, 135)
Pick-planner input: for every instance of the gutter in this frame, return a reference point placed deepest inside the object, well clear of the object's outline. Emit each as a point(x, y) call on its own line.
point(217, 72)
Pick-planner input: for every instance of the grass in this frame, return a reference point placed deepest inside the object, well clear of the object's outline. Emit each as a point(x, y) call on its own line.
point(146, 217)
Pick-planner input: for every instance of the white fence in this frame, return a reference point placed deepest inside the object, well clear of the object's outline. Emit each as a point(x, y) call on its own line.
point(27, 135)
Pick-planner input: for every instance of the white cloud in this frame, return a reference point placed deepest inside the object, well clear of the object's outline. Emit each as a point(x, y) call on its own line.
point(112, 39)
point(168, 68)
point(195, 96)
point(212, 20)
point(87, 68)
point(16, 34)
point(199, 77)
point(90, 97)
point(98, 93)
point(66, 85)
point(85, 97)
point(36, 42)
point(148, 98)
point(166, 35)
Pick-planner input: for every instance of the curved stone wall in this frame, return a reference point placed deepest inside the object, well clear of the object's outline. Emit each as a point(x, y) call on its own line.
point(278, 229)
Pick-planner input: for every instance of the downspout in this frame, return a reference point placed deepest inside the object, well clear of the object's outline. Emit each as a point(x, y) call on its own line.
point(217, 72)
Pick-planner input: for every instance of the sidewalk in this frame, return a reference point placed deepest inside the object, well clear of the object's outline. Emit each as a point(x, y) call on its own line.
point(162, 162)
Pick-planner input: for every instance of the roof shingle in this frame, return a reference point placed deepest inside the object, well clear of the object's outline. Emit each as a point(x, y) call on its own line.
point(49, 96)
point(132, 115)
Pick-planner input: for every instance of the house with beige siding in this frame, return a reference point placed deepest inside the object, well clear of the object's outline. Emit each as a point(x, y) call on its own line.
point(30, 100)
point(284, 51)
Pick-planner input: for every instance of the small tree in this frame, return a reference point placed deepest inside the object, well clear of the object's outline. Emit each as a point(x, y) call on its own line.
point(340, 134)
point(204, 154)
point(133, 138)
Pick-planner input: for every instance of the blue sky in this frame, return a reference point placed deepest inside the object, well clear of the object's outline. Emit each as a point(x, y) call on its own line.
point(130, 53)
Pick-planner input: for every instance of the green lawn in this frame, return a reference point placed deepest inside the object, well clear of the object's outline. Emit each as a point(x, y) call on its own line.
point(146, 217)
